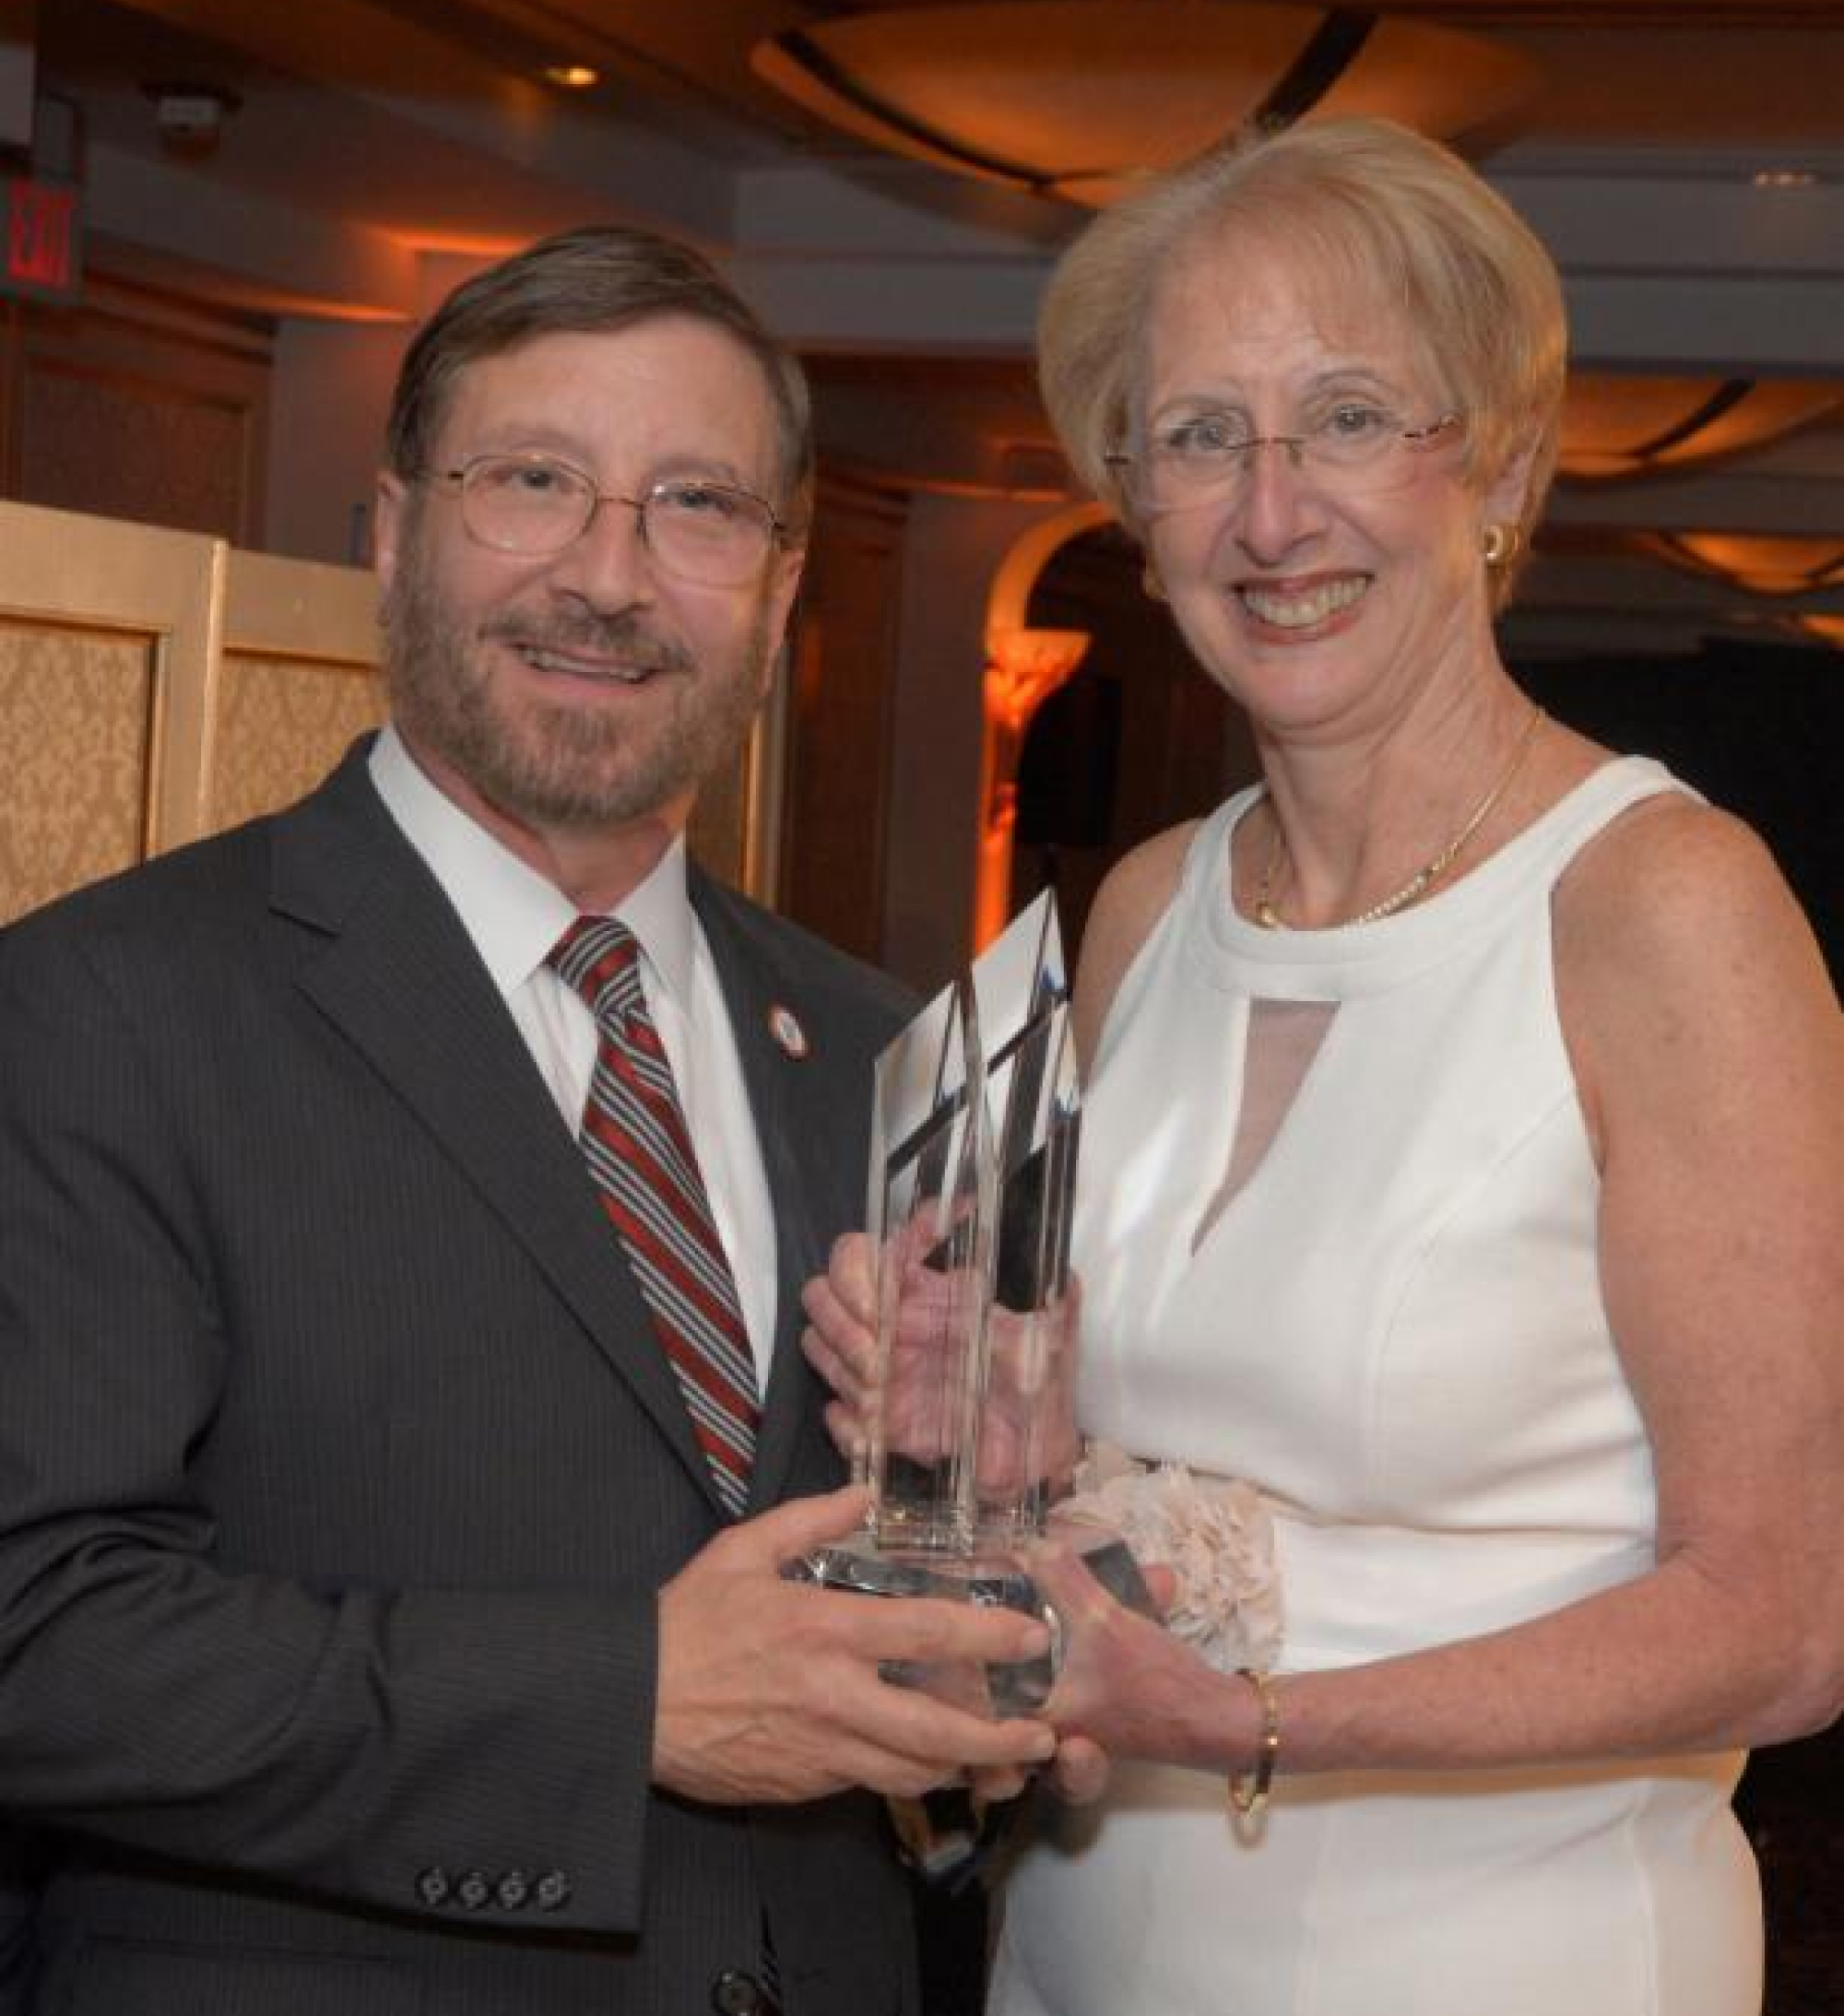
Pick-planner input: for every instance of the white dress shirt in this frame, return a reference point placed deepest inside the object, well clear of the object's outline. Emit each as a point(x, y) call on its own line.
point(514, 916)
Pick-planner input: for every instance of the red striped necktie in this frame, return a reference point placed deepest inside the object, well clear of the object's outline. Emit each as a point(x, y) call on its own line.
point(641, 1159)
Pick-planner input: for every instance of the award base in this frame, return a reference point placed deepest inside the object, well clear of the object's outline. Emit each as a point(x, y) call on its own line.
point(1022, 1687)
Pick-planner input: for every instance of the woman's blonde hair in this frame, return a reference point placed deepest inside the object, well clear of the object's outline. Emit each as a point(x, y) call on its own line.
point(1380, 216)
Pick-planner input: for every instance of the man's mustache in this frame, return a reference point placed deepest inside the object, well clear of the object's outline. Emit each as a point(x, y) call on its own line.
point(627, 637)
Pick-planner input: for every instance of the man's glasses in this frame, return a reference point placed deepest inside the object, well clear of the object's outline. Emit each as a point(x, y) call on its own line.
point(709, 533)
point(1207, 458)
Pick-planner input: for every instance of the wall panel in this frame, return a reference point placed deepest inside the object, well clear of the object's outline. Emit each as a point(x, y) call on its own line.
point(108, 632)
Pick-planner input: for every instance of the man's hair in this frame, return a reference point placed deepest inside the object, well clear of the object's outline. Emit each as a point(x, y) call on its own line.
point(595, 280)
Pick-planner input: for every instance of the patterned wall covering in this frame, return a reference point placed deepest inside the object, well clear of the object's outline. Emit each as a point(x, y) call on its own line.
point(74, 707)
point(282, 724)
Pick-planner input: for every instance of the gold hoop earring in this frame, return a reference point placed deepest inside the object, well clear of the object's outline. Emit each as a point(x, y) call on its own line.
point(1500, 545)
point(1149, 580)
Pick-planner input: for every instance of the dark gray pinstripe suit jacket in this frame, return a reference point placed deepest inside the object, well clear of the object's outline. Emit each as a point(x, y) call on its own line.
point(339, 1469)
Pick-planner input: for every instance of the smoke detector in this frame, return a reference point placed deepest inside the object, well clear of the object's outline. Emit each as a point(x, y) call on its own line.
point(190, 117)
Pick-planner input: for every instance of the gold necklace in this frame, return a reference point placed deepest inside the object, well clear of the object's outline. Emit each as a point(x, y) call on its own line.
point(1425, 876)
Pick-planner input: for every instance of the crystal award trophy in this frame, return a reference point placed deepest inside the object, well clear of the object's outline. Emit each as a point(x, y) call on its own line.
point(969, 1437)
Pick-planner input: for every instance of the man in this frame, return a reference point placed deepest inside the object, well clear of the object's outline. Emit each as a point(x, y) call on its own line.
point(390, 1619)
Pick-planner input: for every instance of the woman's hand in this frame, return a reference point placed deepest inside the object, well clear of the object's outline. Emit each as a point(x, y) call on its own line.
point(911, 1389)
point(1127, 1688)
point(914, 1390)
point(840, 1337)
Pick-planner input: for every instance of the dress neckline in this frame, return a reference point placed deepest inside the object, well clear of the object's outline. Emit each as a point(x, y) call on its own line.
point(1347, 959)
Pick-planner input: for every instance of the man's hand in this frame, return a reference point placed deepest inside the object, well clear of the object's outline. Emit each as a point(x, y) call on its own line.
point(770, 1689)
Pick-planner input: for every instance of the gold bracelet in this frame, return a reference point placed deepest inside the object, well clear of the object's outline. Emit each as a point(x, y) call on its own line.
point(1248, 1789)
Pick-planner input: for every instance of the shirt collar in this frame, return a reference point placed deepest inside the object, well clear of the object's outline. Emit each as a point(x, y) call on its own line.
point(512, 914)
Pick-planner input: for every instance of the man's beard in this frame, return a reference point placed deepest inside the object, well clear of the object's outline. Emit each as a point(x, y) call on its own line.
point(557, 765)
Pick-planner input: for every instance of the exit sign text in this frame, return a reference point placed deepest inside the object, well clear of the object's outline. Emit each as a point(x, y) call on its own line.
point(43, 241)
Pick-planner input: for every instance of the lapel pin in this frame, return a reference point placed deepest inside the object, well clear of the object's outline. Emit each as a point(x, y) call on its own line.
point(783, 1025)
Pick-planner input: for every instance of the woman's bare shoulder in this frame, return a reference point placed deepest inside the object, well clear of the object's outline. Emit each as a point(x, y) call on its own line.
point(1681, 953)
point(1675, 883)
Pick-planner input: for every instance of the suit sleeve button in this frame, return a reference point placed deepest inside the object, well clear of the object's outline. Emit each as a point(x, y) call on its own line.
point(735, 1993)
point(514, 1889)
point(473, 1890)
point(431, 1886)
point(553, 1891)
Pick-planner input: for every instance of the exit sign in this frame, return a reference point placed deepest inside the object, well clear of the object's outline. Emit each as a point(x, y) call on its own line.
point(41, 250)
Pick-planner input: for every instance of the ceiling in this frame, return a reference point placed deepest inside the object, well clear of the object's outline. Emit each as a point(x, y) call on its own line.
point(375, 144)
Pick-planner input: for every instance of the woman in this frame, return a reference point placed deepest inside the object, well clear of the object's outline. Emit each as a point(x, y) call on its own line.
point(1463, 1167)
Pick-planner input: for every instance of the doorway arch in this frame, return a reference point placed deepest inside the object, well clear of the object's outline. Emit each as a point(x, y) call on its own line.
point(1023, 668)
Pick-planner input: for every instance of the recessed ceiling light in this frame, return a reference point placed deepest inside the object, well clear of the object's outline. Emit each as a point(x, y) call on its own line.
point(573, 77)
point(1784, 178)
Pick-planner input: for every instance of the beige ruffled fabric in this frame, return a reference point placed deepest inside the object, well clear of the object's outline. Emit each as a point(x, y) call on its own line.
point(1214, 1533)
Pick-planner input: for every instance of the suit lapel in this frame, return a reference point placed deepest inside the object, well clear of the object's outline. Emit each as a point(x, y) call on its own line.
point(397, 974)
point(795, 1100)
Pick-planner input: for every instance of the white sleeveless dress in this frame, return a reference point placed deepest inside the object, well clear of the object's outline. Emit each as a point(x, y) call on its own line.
point(1393, 1326)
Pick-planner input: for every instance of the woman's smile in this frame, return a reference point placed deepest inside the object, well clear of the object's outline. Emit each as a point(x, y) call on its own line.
point(1302, 605)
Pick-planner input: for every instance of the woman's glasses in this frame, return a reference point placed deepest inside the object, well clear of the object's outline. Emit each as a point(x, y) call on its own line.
point(1207, 458)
